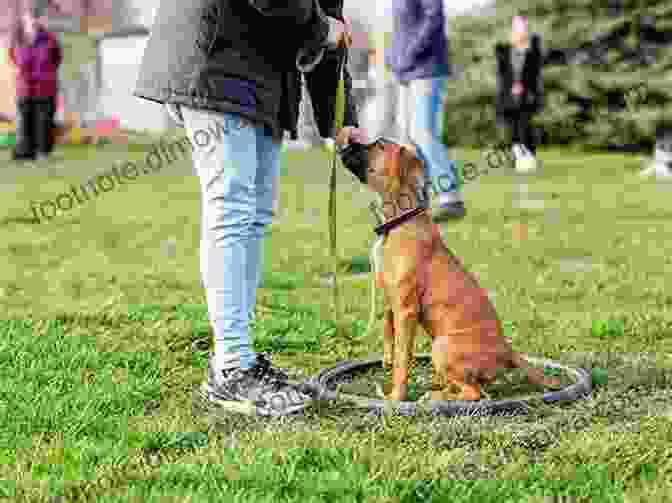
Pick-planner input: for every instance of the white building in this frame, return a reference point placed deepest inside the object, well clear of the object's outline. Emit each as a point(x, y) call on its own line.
point(118, 59)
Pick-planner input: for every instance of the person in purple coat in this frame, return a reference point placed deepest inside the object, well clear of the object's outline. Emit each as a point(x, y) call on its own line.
point(36, 53)
point(420, 62)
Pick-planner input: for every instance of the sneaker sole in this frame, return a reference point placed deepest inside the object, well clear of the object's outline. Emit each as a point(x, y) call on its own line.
point(206, 402)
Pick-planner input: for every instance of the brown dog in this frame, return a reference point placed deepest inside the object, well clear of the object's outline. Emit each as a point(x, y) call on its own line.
point(425, 284)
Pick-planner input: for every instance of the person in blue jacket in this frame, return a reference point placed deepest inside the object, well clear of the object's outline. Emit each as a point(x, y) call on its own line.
point(419, 60)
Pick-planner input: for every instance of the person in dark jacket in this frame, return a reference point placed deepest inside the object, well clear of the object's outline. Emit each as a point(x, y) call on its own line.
point(420, 62)
point(520, 92)
point(228, 71)
point(37, 55)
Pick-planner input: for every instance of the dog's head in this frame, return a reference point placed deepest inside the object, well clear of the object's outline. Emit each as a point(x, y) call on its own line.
point(392, 170)
point(395, 168)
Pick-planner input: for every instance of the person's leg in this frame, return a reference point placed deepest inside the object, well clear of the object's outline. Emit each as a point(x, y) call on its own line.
point(504, 136)
point(524, 149)
point(379, 114)
point(505, 122)
point(42, 127)
point(51, 114)
point(267, 179)
point(404, 113)
point(516, 134)
point(527, 133)
point(227, 160)
point(226, 168)
point(426, 134)
point(25, 148)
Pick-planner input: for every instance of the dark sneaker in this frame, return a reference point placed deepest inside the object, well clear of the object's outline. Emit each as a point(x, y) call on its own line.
point(259, 391)
point(23, 157)
point(449, 211)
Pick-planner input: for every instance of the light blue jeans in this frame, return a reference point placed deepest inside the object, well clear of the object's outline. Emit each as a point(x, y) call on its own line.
point(238, 164)
point(425, 123)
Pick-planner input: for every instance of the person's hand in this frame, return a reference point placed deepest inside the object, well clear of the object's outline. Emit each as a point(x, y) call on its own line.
point(350, 134)
point(342, 32)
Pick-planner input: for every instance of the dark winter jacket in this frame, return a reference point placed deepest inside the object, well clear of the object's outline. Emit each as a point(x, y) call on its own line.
point(37, 66)
point(240, 56)
point(532, 99)
point(419, 44)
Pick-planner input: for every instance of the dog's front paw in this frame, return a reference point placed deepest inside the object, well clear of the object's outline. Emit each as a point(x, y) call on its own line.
point(397, 395)
point(553, 382)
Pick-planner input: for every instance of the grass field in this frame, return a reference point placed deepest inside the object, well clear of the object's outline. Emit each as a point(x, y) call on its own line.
point(104, 334)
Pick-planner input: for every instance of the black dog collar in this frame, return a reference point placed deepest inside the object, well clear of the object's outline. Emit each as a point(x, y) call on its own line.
point(386, 227)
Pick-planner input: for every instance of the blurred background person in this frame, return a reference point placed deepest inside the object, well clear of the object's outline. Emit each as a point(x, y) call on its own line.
point(419, 60)
point(520, 90)
point(37, 55)
point(380, 112)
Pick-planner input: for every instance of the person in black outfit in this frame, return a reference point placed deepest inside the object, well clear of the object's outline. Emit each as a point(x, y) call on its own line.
point(520, 92)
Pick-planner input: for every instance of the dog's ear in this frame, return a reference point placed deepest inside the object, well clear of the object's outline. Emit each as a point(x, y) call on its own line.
point(411, 164)
point(401, 163)
point(394, 167)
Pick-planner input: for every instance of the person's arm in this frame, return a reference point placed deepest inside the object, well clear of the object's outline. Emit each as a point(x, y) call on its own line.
point(309, 57)
point(538, 91)
point(305, 15)
point(322, 80)
point(350, 115)
point(321, 84)
point(504, 101)
point(57, 52)
point(12, 55)
point(432, 20)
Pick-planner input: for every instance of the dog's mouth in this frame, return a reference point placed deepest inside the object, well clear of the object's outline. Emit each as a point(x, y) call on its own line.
point(355, 157)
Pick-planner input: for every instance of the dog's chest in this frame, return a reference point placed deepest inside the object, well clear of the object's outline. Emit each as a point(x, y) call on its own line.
point(407, 256)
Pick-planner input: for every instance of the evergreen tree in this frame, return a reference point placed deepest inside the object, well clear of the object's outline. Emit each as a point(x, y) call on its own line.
point(607, 77)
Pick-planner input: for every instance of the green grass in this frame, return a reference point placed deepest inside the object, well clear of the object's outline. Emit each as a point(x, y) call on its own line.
point(104, 334)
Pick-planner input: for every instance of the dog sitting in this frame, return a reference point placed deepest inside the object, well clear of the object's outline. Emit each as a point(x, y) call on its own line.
point(425, 284)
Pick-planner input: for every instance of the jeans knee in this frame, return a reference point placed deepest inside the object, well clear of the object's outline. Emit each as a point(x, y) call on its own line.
point(423, 136)
point(225, 221)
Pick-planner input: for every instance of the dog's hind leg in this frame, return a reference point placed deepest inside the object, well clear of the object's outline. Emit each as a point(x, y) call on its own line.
point(450, 381)
point(440, 368)
point(469, 392)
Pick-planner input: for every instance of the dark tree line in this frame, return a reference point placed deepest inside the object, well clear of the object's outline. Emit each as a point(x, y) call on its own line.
point(607, 72)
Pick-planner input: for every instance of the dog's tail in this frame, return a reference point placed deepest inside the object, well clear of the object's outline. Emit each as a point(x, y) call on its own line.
point(535, 375)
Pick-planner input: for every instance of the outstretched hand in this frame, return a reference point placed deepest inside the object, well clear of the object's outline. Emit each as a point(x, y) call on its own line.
point(343, 32)
point(350, 134)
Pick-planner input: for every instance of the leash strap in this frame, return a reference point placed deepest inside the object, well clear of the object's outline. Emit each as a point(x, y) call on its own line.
point(338, 124)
